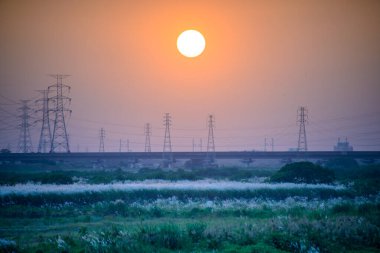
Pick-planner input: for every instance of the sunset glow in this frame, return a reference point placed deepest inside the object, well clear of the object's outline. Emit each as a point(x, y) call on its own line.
point(257, 62)
point(189, 126)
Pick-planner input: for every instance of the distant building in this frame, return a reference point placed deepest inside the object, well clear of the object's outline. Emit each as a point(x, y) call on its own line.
point(343, 146)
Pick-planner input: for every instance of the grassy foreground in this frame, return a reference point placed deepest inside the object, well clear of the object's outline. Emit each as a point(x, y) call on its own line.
point(279, 218)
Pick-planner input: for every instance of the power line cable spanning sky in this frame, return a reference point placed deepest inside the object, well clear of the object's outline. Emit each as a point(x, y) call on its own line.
point(242, 138)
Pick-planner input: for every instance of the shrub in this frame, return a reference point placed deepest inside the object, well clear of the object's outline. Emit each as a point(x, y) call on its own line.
point(303, 172)
point(167, 236)
point(195, 231)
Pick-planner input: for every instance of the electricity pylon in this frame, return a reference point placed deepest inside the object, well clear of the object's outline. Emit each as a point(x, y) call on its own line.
point(147, 138)
point(25, 142)
point(302, 118)
point(269, 143)
point(102, 136)
point(167, 151)
point(210, 139)
point(45, 134)
point(60, 139)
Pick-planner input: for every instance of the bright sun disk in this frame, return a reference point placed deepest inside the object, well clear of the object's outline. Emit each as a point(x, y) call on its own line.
point(191, 43)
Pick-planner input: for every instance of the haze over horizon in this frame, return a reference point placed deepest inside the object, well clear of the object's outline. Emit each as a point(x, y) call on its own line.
point(263, 59)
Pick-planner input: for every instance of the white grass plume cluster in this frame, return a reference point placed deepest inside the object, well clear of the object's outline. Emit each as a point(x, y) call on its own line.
point(200, 185)
point(174, 203)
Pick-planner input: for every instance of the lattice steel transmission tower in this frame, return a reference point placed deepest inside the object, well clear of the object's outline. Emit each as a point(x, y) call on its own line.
point(210, 139)
point(45, 134)
point(148, 132)
point(102, 136)
point(197, 146)
point(25, 142)
point(269, 144)
point(60, 139)
point(167, 151)
point(302, 119)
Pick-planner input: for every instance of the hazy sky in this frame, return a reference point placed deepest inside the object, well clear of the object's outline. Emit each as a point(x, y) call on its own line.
point(263, 60)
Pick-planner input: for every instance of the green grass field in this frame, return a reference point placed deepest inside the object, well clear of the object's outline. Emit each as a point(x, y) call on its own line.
point(209, 211)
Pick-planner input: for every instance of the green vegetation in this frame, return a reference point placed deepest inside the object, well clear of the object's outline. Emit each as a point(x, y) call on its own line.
point(366, 180)
point(49, 177)
point(276, 218)
point(303, 172)
point(59, 176)
point(275, 234)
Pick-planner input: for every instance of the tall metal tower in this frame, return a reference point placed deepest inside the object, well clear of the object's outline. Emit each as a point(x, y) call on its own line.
point(45, 134)
point(60, 139)
point(25, 142)
point(102, 136)
point(302, 118)
point(167, 151)
point(272, 144)
point(265, 144)
point(197, 146)
point(147, 138)
point(269, 144)
point(210, 139)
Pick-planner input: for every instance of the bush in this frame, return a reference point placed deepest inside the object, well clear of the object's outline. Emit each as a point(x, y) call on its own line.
point(303, 172)
point(367, 180)
point(167, 236)
point(195, 231)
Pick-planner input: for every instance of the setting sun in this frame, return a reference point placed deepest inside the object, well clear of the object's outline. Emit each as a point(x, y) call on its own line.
point(191, 43)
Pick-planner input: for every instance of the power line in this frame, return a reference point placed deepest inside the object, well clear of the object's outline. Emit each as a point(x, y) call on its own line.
point(13, 102)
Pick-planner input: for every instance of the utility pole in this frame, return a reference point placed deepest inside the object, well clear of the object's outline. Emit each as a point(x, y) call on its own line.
point(120, 146)
point(102, 136)
point(60, 139)
point(302, 119)
point(210, 140)
point(147, 138)
point(45, 134)
point(25, 142)
point(167, 151)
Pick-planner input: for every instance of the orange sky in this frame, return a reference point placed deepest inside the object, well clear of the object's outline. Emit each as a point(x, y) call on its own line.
point(263, 59)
